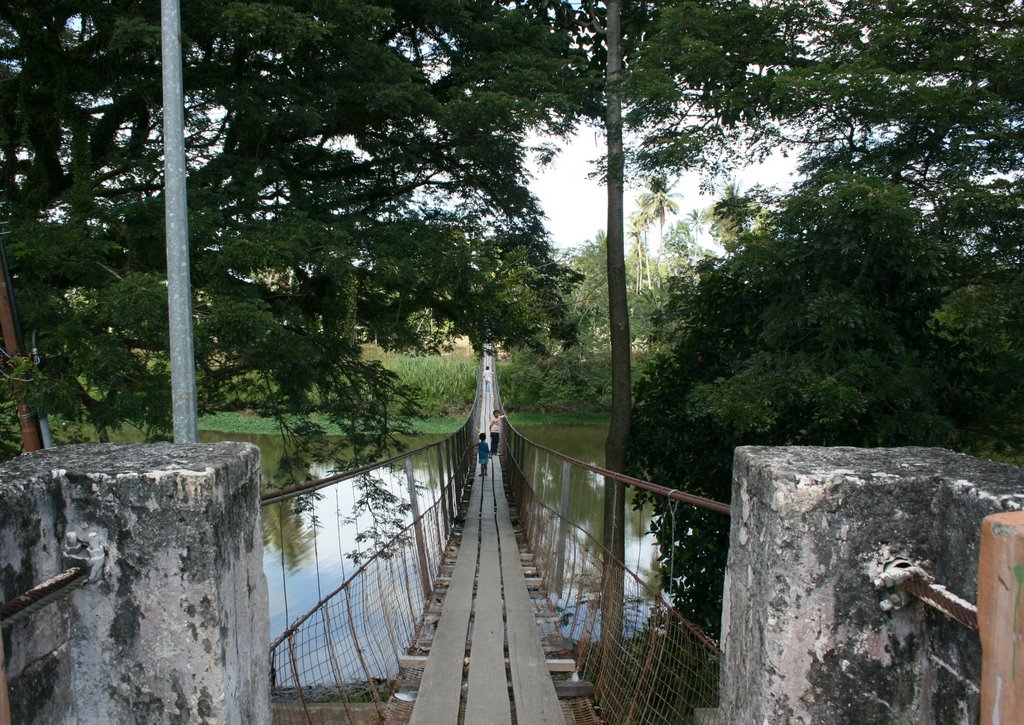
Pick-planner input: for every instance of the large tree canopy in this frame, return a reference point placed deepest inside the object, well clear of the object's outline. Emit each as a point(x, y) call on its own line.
point(877, 303)
point(356, 170)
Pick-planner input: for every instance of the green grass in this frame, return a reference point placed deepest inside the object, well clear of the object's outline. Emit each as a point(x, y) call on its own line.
point(568, 418)
point(240, 423)
point(444, 384)
point(441, 425)
point(227, 422)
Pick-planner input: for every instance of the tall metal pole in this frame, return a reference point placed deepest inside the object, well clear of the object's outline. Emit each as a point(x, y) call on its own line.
point(179, 285)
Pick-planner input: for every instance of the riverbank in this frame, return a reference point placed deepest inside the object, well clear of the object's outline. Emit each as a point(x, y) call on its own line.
point(241, 423)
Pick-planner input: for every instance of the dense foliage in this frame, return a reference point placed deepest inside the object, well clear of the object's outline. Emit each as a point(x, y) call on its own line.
point(356, 172)
point(880, 302)
point(575, 376)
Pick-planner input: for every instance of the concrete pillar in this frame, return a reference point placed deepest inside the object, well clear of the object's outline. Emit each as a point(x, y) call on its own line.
point(804, 638)
point(176, 630)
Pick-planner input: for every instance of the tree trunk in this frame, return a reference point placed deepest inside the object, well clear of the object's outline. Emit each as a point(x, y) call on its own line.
point(618, 311)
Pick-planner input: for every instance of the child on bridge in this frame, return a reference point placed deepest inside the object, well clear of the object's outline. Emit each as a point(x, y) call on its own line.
point(481, 449)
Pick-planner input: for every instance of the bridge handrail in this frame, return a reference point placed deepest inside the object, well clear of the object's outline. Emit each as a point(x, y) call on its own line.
point(670, 610)
point(299, 489)
point(672, 493)
point(660, 667)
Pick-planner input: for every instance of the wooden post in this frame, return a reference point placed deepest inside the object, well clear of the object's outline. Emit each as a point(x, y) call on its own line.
point(464, 464)
point(534, 480)
point(563, 529)
point(447, 481)
point(421, 544)
point(1001, 618)
point(31, 437)
point(5, 704)
point(443, 503)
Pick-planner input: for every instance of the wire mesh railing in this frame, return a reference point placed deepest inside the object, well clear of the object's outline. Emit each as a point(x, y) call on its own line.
point(358, 651)
point(343, 655)
point(646, 662)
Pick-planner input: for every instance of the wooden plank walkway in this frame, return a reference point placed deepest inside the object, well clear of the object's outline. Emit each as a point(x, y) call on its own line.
point(489, 555)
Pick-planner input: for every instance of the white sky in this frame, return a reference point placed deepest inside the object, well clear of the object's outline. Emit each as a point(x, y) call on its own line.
point(576, 206)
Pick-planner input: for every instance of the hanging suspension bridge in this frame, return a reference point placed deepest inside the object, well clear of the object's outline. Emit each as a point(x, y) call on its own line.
point(489, 606)
point(472, 595)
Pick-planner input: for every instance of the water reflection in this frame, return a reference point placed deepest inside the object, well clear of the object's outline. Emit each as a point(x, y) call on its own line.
point(586, 502)
point(312, 544)
point(283, 531)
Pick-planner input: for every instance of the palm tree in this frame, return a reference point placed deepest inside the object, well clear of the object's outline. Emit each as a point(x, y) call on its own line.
point(698, 220)
point(657, 202)
point(637, 233)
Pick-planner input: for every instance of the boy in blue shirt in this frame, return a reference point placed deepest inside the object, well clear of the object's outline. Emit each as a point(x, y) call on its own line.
point(482, 453)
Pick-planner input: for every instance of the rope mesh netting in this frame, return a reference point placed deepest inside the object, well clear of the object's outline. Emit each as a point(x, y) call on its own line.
point(343, 656)
point(661, 668)
point(359, 653)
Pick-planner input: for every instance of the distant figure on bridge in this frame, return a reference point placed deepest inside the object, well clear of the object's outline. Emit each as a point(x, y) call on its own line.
point(495, 432)
point(481, 450)
point(488, 377)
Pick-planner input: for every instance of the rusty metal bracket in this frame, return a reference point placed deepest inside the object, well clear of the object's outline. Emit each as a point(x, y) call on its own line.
point(899, 579)
point(89, 556)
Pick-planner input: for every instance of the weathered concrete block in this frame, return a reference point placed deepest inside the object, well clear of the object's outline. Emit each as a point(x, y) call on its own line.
point(177, 629)
point(804, 638)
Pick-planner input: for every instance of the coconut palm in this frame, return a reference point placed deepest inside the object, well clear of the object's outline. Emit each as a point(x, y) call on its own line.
point(698, 221)
point(638, 225)
point(656, 203)
point(731, 214)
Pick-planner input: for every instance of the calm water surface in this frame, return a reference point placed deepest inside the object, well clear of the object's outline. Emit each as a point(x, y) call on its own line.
point(586, 507)
point(309, 547)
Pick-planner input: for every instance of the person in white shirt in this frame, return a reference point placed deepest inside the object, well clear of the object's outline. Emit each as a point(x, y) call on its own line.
point(495, 432)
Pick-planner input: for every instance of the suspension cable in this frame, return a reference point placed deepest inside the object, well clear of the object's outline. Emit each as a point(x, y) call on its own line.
point(672, 493)
point(38, 597)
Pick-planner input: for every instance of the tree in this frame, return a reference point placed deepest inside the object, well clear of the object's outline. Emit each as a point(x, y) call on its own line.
point(639, 253)
point(618, 317)
point(352, 168)
point(705, 82)
point(839, 314)
point(656, 202)
point(683, 250)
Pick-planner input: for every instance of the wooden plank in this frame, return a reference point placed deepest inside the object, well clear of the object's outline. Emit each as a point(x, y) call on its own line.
point(487, 699)
point(1001, 618)
point(5, 702)
point(490, 537)
point(440, 690)
point(560, 665)
point(536, 701)
point(569, 689)
point(553, 664)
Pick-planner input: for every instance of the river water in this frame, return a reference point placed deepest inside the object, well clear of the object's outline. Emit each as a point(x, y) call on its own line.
point(308, 549)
